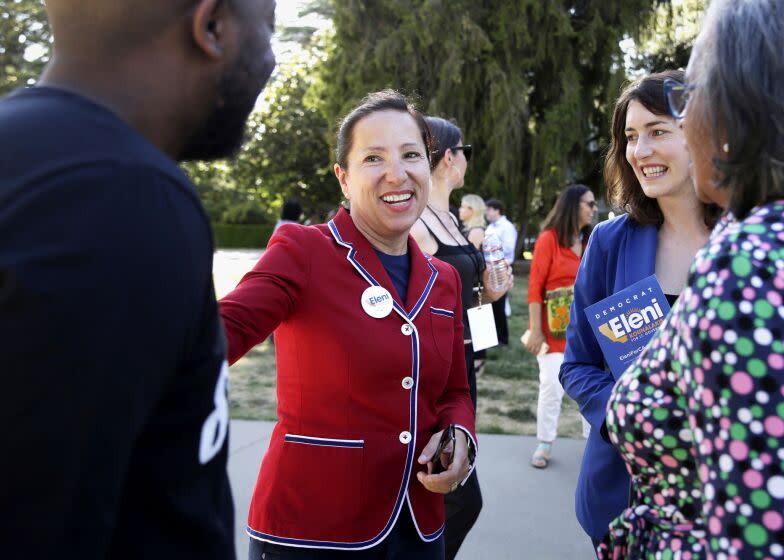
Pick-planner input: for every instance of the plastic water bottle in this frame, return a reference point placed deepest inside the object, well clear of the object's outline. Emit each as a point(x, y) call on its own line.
point(495, 261)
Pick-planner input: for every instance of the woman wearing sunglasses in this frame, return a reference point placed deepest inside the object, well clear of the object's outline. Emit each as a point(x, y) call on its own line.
point(708, 465)
point(557, 255)
point(647, 175)
point(438, 233)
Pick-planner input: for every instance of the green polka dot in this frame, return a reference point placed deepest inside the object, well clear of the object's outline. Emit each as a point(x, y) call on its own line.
point(669, 441)
point(778, 346)
point(741, 265)
point(667, 554)
point(744, 347)
point(773, 443)
point(728, 369)
point(732, 490)
point(755, 535)
point(697, 357)
point(714, 303)
point(755, 228)
point(780, 409)
point(742, 521)
point(701, 282)
point(757, 411)
point(726, 311)
point(738, 432)
point(763, 309)
point(628, 437)
point(680, 454)
point(757, 367)
point(660, 414)
point(760, 499)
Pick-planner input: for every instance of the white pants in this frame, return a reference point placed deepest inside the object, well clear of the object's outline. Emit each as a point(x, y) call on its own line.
point(551, 394)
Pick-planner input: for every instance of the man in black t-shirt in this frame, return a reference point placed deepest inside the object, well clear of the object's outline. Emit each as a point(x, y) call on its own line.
point(112, 357)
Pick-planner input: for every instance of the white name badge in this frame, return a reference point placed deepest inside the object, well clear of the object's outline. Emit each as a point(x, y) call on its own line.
point(377, 302)
point(482, 324)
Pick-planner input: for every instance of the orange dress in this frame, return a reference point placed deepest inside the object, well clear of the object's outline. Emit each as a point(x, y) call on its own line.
point(554, 266)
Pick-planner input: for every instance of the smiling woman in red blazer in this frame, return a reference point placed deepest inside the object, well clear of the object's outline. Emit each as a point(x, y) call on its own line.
point(370, 362)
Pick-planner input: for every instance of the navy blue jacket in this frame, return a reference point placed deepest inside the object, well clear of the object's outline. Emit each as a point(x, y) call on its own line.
point(619, 253)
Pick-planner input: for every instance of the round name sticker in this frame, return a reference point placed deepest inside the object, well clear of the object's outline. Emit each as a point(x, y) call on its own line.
point(377, 302)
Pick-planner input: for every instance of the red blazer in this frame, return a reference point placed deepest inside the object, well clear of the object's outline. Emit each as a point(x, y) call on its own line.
point(358, 397)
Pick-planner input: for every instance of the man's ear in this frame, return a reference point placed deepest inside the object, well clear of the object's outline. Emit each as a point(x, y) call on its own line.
point(209, 27)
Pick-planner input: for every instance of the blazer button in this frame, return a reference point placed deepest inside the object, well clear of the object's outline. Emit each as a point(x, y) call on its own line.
point(406, 329)
point(405, 437)
point(408, 382)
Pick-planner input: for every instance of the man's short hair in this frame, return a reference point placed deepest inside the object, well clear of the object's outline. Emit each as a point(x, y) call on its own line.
point(495, 203)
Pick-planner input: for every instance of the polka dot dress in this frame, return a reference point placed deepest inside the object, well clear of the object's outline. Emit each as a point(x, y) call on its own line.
point(699, 419)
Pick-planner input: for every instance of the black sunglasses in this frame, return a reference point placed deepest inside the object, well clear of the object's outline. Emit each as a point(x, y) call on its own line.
point(467, 150)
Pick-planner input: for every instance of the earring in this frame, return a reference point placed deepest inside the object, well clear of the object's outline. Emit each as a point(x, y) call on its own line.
point(726, 148)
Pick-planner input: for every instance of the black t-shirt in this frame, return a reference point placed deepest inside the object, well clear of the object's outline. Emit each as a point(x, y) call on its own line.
point(115, 412)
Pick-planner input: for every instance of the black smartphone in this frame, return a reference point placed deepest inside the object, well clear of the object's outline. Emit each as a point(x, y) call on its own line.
point(446, 438)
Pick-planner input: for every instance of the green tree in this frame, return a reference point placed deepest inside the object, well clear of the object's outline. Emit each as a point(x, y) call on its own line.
point(25, 43)
point(286, 156)
point(529, 82)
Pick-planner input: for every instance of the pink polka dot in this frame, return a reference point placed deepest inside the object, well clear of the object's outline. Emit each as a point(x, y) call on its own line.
point(629, 447)
point(776, 361)
point(669, 461)
point(773, 520)
point(707, 397)
point(774, 298)
point(699, 376)
point(725, 423)
point(717, 291)
point(675, 544)
point(749, 293)
point(752, 479)
point(659, 499)
point(707, 448)
point(687, 555)
point(742, 383)
point(707, 364)
point(774, 426)
point(647, 428)
point(715, 332)
point(739, 450)
point(714, 525)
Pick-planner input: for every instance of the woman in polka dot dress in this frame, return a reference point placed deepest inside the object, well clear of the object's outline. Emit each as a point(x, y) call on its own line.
point(699, 419)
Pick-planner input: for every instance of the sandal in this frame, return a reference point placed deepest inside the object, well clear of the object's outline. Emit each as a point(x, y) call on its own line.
point(541, 456)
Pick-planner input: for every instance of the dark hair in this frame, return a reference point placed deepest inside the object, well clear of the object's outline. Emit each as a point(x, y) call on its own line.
point(623, 188)
point(445, 134)
point(564, 217)
point(291, 210)
point(495, 203)
point(385, 100)
point(737, 66)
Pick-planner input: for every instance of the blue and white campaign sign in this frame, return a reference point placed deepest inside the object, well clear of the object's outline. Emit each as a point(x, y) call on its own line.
point(624, 322)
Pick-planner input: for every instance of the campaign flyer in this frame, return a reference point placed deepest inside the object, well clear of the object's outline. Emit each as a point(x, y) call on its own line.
point(624, 322)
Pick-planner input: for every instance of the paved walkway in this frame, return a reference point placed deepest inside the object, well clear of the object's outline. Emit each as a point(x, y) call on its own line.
point(528, 513)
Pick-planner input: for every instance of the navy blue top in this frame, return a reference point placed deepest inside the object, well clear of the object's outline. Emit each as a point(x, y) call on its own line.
point(619, 253)
point(398, 268)
point(113, 357)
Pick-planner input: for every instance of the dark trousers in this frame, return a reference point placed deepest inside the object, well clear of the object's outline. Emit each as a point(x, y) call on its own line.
point(462, 510)
point(499, 314)
point(403, 543)
point(464, 504)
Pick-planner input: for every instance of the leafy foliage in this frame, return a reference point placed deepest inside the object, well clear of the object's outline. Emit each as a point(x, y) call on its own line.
point(286, 156)
point(24, 43)
point(529, 82)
